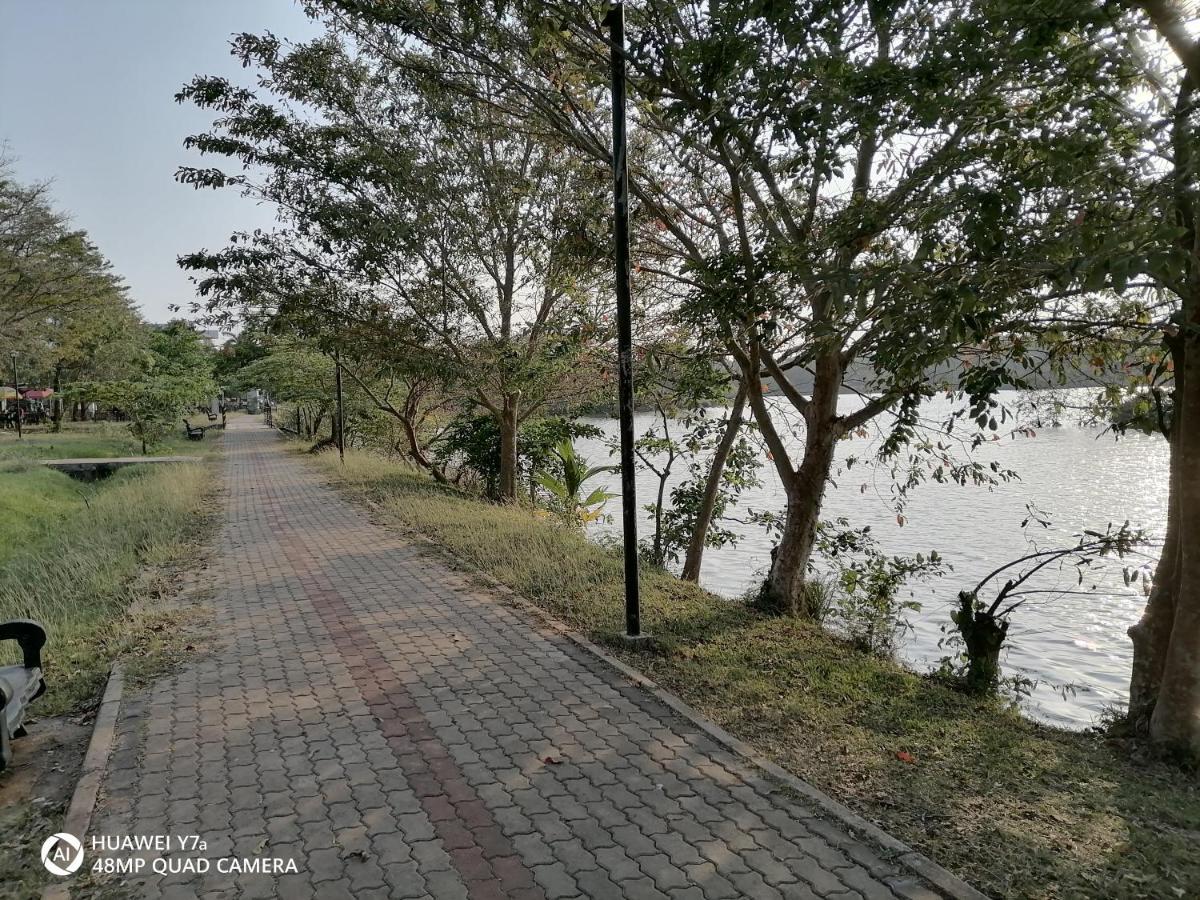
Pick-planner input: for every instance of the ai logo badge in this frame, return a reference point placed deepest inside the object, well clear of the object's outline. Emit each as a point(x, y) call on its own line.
point(62, 854)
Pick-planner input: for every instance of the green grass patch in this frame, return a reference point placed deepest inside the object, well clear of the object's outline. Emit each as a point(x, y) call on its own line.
point(78, 556)
point(82, 440)
point(1014, 807)
point(32, 501)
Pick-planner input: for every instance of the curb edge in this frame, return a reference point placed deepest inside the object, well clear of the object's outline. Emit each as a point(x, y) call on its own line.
point(87, 788)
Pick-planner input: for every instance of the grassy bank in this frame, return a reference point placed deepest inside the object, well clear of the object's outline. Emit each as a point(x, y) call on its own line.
point(78, 555)
point(1016, 808)
point(86, 439)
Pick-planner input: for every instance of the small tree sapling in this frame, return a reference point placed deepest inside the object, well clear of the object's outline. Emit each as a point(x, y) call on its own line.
point(983, 626)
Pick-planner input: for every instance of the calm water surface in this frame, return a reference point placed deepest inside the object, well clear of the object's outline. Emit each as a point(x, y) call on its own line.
point(1079, 476)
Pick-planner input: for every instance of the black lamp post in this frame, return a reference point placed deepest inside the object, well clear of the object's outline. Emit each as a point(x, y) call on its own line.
point(341, 414)
point(16, 393)
point(615, 20)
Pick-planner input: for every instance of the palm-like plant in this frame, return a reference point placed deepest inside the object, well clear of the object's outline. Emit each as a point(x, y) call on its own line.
point(566, 490)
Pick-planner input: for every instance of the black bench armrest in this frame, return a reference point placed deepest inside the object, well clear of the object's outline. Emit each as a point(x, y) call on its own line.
point(29, 635)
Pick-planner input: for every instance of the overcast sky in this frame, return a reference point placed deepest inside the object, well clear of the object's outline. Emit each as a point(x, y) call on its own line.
point(86, 101)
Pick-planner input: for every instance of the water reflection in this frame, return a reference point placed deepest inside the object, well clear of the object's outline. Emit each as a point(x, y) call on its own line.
point(1082, 478)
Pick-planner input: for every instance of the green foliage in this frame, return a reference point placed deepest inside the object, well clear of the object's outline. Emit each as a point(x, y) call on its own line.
point(868, 606)
point(739, 475)
point(1149, 411)
point(430, 219)
point(48, 271)
point(154, 405)
point(964, 185)
point(239, 352)
point(893, 183)
point(679, 380)
point(291, 373)
point(178, 350)
point(177, 376)
point(471, 444)
point(62, 310)
point(539, 441)
point(566, 486)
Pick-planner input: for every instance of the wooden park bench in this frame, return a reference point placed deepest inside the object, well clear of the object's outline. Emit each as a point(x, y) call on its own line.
point(193, 433)
point(20, 684)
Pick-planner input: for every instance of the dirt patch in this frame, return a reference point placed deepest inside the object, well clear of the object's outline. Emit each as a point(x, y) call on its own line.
point(35, 792)
point(46, 761)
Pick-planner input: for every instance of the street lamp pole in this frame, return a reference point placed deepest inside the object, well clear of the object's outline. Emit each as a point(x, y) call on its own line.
point(16, 393)
point(615, 20)
point(341, 415)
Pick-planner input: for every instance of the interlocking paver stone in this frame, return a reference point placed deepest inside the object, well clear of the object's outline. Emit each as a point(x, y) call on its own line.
point(372, 715)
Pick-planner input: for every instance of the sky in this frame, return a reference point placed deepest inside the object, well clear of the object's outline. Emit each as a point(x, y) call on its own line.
point(87, 102)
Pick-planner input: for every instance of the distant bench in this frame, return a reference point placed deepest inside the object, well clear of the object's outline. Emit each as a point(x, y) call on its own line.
point(196, 432)
point(21, 684)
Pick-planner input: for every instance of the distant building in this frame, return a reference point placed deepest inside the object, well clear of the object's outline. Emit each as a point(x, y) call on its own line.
point(212, 335)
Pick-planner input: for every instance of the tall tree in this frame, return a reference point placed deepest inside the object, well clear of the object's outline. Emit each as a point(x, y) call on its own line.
point(869, 180)
point(468, 233)
point(47, 268)
point(175, 374)
point(1165, 684)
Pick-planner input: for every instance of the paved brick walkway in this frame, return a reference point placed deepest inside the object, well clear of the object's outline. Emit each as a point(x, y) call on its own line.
point(398, 732)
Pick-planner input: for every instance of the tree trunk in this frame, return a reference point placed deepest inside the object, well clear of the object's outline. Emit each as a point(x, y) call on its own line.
point(507, 489)
point(1175, 718)
point(983, 635)
point(712, 487)
point(785, 590)
point(656, 551)
point(1151, 636)
point(1175, 721)
point(418, 454)
point(57, 403)
point(335, 433)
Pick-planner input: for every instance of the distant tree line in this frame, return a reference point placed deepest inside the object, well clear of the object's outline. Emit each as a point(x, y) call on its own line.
point(73, 327)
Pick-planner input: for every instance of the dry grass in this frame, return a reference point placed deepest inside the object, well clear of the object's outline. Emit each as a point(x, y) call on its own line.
point(1016, 808)
point(86, 555)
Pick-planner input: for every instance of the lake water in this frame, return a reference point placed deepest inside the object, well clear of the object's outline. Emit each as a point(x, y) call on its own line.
point(1080, 476)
